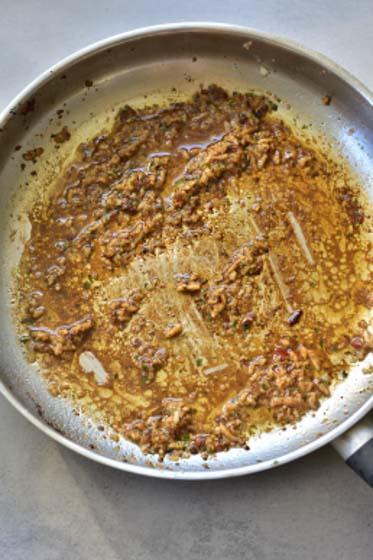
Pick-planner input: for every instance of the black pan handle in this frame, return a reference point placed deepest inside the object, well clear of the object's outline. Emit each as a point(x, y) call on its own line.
point(356, 448)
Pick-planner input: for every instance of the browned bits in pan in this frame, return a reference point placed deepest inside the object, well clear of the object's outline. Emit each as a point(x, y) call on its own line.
point(33, 155)
point(62, 136)
point(198, 273)
point(172, 330)
point(188, 282)
point(326, 99)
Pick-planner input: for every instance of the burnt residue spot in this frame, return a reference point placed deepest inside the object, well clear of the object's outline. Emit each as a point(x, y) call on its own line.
point(32, 155)
point(88, 83)
point(63, 77)
point(194, 59)
point(62, 136)
point(23, 165)
point(27, 107)
point(127, 113)
point(295, 317)
point(34, 173)
point(17, 148)
point(326, 99)
point(352, 205)
point(41, 413)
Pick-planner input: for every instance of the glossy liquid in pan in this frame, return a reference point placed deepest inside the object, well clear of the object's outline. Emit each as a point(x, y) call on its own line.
point(89, 88)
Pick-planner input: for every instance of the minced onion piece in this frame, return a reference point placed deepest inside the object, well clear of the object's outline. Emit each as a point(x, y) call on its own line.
point(91, 364)
point(300, 236)
point(215, 369)
point(283, 288)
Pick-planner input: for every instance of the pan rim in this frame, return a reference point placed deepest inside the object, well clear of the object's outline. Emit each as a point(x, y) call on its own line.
point(7, 113)
point(112, 41)
point(188, 475)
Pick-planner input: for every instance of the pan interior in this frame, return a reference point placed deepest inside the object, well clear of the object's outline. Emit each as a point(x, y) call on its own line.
point(84, 95)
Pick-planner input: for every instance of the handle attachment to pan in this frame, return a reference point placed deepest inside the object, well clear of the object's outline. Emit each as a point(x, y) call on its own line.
point(356, 447)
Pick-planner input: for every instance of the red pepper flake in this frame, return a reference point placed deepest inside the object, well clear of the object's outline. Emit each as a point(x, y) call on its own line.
point(281, 351)
point(357, 342)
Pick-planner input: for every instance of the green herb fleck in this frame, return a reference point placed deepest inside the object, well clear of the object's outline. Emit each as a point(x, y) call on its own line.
point(334, 348)
point(87, 283)
point(322, 342)
point(199, 362)
point(264, 386)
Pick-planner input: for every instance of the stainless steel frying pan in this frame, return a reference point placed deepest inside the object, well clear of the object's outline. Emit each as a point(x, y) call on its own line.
point(83, 92)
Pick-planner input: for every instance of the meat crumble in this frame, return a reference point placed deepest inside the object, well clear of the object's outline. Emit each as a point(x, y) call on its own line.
point(213, 263)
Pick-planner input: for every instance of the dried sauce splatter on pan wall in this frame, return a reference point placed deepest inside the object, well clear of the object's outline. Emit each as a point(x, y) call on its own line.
point(198, 272)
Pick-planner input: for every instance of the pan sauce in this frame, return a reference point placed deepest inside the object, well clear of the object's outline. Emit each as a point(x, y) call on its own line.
point(198, 272)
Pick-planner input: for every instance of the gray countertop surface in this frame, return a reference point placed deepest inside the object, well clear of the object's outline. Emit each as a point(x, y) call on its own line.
point(56, 505)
